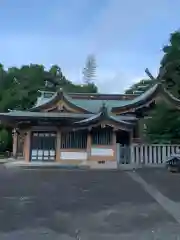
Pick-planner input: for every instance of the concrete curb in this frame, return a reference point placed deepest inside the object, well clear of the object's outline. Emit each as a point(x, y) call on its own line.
point(23, 165)
point(13, 163)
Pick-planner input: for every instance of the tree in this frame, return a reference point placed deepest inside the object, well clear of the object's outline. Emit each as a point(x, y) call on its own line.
point(3, 139)
point(140, 87)
point(167, 130)
point(55, 79)
point(170, 64)
point(19, 88)
point(89, 71)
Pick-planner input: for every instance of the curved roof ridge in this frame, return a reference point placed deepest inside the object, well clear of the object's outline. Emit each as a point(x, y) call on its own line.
point(60, 94)
point(94, 117)
point(170, 96)
point(102, 112)
point(144, 98)
point(41, 101)
point(114, 118)
point(149, 96)
point(147, 93)
point(105, 115)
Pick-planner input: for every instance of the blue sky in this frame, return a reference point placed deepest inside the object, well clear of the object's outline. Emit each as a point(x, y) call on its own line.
point(126, 36)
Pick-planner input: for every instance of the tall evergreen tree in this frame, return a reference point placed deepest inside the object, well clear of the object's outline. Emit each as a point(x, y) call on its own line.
point(167, 130)
point(89, 71)
point(170, 64)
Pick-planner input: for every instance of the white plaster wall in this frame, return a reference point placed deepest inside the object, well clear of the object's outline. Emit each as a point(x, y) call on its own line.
point(73, 155)
point(102, 152)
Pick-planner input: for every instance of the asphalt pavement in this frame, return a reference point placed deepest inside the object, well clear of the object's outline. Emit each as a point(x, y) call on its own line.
point(90, 204)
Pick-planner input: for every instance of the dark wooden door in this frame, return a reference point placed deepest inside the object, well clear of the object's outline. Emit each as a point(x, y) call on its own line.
point(43, 146)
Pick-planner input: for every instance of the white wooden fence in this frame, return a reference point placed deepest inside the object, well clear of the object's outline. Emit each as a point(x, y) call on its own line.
point(146, 154)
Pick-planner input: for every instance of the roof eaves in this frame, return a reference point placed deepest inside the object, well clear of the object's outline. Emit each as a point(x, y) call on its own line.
point(28, 114)
point(144, 98)
point(175, 101)
point(115, 119)
point(105, 115)
point(58, 95)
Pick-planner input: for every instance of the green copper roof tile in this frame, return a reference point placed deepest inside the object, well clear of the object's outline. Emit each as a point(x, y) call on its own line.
point(117, 119)
point(44, 114)
point(139, 101)
point(145, 95)
point(80, 116)
point(94, 106)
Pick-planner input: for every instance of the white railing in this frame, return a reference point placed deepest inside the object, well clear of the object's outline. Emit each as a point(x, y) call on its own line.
point(152, 154)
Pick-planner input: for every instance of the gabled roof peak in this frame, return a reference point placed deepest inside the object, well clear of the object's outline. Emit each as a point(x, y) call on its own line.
point(103, 109)
point(60, 90)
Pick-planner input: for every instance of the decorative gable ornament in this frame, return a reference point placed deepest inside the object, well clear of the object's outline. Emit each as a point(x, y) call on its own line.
point(60, 107)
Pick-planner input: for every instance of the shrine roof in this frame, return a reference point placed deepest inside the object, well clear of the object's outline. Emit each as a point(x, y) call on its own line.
point(105, 117)
point(91, 103)
point(29, 114)
point(76, 120)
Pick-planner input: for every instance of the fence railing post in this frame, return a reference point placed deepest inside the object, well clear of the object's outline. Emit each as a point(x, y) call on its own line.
point(164, 156)
point(145, 154)
point(118, 154)
point(132, 154)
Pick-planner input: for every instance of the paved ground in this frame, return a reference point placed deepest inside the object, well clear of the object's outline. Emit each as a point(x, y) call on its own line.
point(167, 183)
point(53, 204)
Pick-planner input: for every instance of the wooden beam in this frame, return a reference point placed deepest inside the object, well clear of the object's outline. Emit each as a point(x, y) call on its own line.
point(149, 74)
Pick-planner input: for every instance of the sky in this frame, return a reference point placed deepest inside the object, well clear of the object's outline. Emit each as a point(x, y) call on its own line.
point(126, 36)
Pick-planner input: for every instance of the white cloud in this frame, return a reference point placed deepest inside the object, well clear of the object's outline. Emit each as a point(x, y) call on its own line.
point(107, 80)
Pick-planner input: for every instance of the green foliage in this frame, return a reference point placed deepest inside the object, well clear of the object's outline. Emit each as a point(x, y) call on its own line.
point(140, 87)
point(170, 64)
point(164, 126)
point(4, 138)
point(19, 86)
point(19, 90)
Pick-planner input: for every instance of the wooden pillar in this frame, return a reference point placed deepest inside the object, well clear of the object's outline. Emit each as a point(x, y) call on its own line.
point(27, 146)
point(88, 145)
point(139, 131)
point(15, 143)
point(131, 137)
point(58, 145)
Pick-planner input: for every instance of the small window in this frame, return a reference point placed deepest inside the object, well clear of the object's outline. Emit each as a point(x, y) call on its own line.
point(76, 139)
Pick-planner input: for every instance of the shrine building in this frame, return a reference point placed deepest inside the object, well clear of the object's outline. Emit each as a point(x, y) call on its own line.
point(80, 128)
